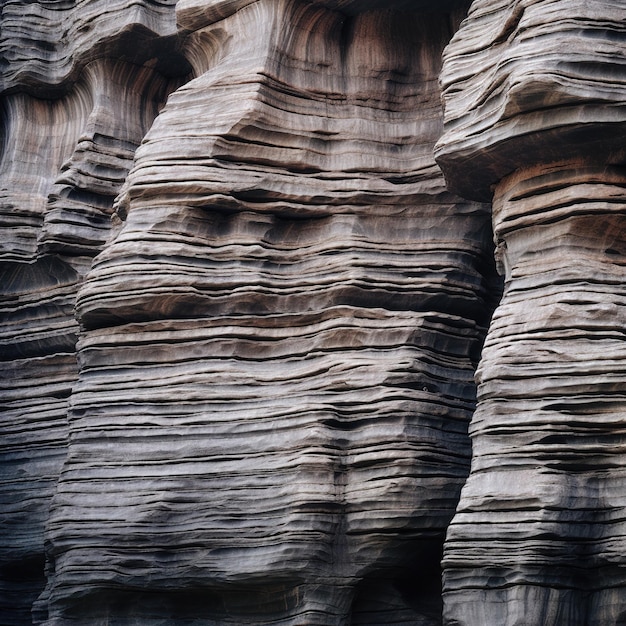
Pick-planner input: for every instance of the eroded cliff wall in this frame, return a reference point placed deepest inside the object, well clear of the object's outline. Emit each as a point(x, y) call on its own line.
point(242, 312)
point(265, 416)
point(79, 91)
point(535, 115)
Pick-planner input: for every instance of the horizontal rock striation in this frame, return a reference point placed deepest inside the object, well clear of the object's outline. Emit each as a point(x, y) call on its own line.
point(278, 343)
point(538, 527)
point(37, 370)
point(538, 534)
point(242, 312)
point(45, 45)
point(530, 82)
point(74, 106)
point(80, 202)
point(39, 135)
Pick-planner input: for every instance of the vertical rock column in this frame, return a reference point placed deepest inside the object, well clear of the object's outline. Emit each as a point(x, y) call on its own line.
point(278, 344)
point(37, 341)
point(535, 113)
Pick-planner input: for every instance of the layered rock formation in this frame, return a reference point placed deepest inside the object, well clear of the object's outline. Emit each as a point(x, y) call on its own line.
point(538, 537)
point(75, 105)
point(278, 340)
point(242, 312)
point(287, 330)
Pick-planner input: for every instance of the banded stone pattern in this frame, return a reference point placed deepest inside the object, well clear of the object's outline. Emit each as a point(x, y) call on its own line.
point(279, 341)
point(74, 105)
point(538, 534)
point(528, 82)
point(44, 45)
point(37, 370)
point(538, 529)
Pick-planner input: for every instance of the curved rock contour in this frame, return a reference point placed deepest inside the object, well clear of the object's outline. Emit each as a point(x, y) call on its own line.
point(538, 535)
point(279, 342)
point(73, 111)
point(265, 417)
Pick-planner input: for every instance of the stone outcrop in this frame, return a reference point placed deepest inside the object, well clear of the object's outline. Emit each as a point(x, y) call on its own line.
point(75, 105)
point(243, 312)
point(266, 419)
point(538, 536)
point(287, 329)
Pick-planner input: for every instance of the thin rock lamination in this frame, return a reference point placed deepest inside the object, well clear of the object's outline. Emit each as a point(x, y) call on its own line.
point(538, 536)
point(74, 106)
point(278, 343)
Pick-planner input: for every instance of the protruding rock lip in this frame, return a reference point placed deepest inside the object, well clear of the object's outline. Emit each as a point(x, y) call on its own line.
point(194, 14)
point(524, 85)
point(135, 43)
point(473, 167)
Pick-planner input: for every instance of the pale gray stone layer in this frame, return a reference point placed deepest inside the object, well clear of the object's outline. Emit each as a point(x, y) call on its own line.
point(280, 339)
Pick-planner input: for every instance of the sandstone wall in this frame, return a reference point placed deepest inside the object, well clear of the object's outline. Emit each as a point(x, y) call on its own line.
point(538, 536)
point(243, 312)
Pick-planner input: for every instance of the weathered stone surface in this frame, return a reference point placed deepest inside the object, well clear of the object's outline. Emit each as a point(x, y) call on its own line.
point(44, 45)
point(74, 108)
point(287, 430)
point(252, 406)
point(36, 374)
point(279, 341)
point(538, 526)
point(530, 82)
point(538, 535)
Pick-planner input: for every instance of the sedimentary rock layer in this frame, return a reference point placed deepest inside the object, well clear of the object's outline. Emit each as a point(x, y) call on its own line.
point(44, 45)
point(530, 82)
point(124, 99)
point(267, 418)
point(278, 345)
point(38, 136)
point(538, 534)
point(74, 106)
point(37, 370)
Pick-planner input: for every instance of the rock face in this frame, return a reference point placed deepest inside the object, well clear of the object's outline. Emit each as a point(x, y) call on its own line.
point(243, 312)
point(267, 415)
point(538, 536)
point(276, 368)
point(75, 105)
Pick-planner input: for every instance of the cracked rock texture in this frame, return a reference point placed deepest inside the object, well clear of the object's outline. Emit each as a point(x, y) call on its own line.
point(243, 312)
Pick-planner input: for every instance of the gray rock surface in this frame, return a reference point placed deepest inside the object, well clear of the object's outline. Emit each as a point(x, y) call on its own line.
point(279, 340)
point(528, 82)
point(266, 421)
point(243, 312)
point(74, 107)
point(538, 535)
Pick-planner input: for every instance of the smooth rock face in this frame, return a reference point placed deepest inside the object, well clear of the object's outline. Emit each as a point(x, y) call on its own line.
point(538, 537)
